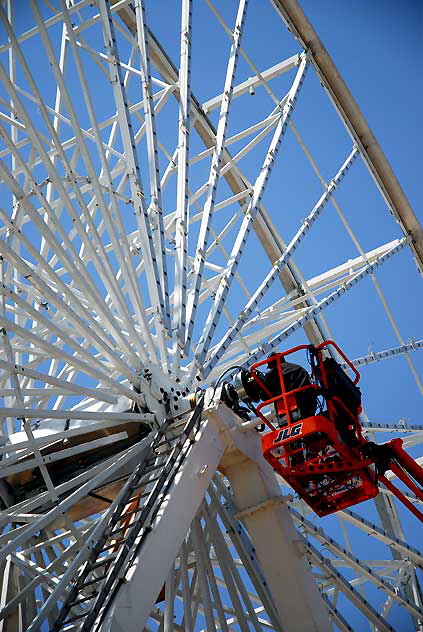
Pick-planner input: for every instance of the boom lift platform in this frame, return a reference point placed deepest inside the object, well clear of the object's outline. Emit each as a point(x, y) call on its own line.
point(324, 456)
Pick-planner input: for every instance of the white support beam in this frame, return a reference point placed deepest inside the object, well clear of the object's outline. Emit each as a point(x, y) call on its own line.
point(407, 551)
point(358, 566)
point(155, 207)
point(246, 226)
point(55, 351)
point(348, 589)
point(265, 229)
point(136, 597)
point(54, 19)
point(63, 249)
point(182, 206)
point(279, 264)
point(333, 296)
point(109, 467)
point(162, 315)
point(376, 356)
point(216, 443)
point(112, 218)
point(76, 389)
point(93, 244)
point(276, 542)
point(254, 82)
point(215, 169)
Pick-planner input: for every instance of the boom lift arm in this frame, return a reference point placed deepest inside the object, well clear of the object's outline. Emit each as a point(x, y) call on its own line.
point(392, 456)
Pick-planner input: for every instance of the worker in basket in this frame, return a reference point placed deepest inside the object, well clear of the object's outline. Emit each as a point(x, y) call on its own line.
point(294, 376)
point(319, 447)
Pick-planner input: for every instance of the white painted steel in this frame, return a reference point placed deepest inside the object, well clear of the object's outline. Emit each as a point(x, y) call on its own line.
point(260, 505)
point(215, 167)
point(182, 206)
point(135, 248)
point(250, 213)
point(179, 509)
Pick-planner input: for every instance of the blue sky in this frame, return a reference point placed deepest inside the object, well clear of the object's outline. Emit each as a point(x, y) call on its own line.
point(378, 48)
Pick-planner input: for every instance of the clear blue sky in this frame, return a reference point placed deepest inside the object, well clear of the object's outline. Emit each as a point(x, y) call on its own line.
point(378, 48)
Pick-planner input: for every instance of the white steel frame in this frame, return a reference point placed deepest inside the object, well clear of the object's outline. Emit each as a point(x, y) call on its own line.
point(115, 301)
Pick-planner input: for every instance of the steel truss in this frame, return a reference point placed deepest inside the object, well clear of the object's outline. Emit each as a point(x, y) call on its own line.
point(135, 197)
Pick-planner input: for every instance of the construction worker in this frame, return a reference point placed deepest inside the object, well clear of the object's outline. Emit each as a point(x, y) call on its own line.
point(294, 376)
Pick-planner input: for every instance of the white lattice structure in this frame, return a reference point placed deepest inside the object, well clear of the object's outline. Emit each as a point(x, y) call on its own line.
point(149, 166)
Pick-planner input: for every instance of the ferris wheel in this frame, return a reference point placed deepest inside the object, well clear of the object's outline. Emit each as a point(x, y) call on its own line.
point(185, 188)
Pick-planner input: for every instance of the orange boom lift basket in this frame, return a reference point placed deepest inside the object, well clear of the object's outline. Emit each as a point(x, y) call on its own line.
point(320, 456)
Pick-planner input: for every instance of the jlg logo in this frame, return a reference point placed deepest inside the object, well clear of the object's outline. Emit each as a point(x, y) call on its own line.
point(286, 433)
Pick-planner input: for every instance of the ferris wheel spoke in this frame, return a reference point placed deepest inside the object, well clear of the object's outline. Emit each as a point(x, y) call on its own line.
point(333, 296)
point(15, 466)
point(290, 310)
point(78, 313)
point(55, 330)
point(348, 590)
point(203, 576)
point(358, 567)
point(133, 231)
point(337, 616)
point(103, 263)
point(258, 190)
point(261, 78)
point(34, 134)
point(108, 468)
point(236, 179)
point(33, 413)
point(156, 206)
point(225, 512)
point(187, 590)
point(57, 247)
point(215, 167)
point(356, 242)
point(277, 266)
point(376, 356)
point(43, 502)
point(395, 543)
point(263, 331)
point(214, 562)
point(182, 212)
point(388, 494)
point(39, 461)
point(230, 573)
point(113, 221)
point(157, 293)
point(13, 452)
point(88, 368)
point(268, 125)
point(80, 327)
point(66, 385)
point(272, 121)
point(42, 574)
